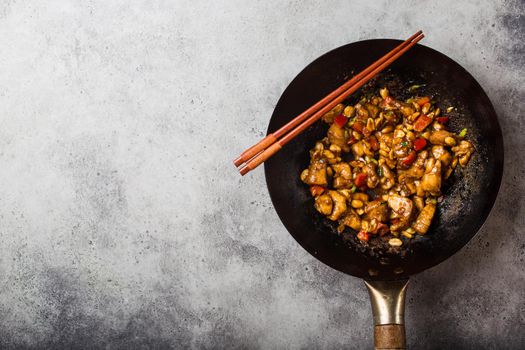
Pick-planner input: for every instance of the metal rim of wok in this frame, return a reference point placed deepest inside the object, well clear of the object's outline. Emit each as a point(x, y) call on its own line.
point(469, 194)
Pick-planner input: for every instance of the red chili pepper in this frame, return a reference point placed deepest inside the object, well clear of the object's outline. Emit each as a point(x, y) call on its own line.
point(373, 143)
point(316, 190)
point(409, 159)
point(382, 229)
point(422, 122)
point(362, 235)
point(422, 100)
point(351, 140)
point(340, 120)
point(442, 120)
point(419, 144)
point(358, 126)
point(360, 179)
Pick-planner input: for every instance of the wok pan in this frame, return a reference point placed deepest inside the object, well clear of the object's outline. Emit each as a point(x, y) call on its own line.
point(468, 195)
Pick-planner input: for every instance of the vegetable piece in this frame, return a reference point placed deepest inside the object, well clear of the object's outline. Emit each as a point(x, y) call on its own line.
point(340, 120)
point(422, 122)
point(463, 133)
point(409, 159)
point(442, 120)
point(404, 144)
point(363, 235)
point(423, 100)
point(353, 189)
point(360, 179)
point(419, 144)
point(358, 126)
point(372, 140)
point(415, 87)
point(316, 190)
point(352, 140)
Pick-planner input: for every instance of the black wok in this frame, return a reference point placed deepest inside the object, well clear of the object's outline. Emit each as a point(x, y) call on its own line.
point(469, 194)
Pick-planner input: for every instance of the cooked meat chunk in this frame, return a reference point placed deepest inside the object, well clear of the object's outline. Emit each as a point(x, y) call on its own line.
point(431, 181)
point(324, 204)
point(337, 136)
point(339, 205)
point(424, 219)
point(371, 175)
point(440, 137)
point(417, 170)
point(342, 176)
point(316, 173)
point(464, 151)
point(441, 154)
point(402, 209)
point(376, 209)
point(351, 219)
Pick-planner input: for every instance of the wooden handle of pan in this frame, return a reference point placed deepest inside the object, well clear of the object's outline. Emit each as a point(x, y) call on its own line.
point(389, 337)
point(388, 307)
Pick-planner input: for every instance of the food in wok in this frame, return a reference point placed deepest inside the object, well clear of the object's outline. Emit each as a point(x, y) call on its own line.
point(379, 171)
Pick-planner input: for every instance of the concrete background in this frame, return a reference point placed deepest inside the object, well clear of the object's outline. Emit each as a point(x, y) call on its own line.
point(124, 224)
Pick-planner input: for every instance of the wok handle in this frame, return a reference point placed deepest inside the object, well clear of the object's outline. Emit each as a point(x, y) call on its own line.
point(388, 308)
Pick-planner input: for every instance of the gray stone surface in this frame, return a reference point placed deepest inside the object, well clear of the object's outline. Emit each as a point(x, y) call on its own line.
point(124, 224)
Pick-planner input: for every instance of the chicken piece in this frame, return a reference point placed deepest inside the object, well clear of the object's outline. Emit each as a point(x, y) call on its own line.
point(372, 180)
point(385, 141)
point(422, 223)
point(377, 210)
point(324, 204)
point(337, 136)
point(440, 137)
point(441, 154)
point(407, 187)
point(464, 151)
point(351, 219)
point(391, 117)
point(316, 173)
point(358, 149)
point(343, 175)
point(431, 181)
point(373, 111)
point(339, 208)
point(387, 180)
point(402, 210)
point(419, 202)
point(417, 170)
point(362, 112)
point(406, 109)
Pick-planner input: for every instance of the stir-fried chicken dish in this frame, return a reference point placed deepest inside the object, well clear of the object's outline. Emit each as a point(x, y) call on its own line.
point(380, 168)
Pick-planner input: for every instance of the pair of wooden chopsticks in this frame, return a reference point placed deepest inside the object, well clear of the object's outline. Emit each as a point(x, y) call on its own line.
point(272, 143)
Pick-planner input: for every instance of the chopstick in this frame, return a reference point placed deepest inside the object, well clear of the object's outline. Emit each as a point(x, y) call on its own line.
point(267, 147)
point(271, 138)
